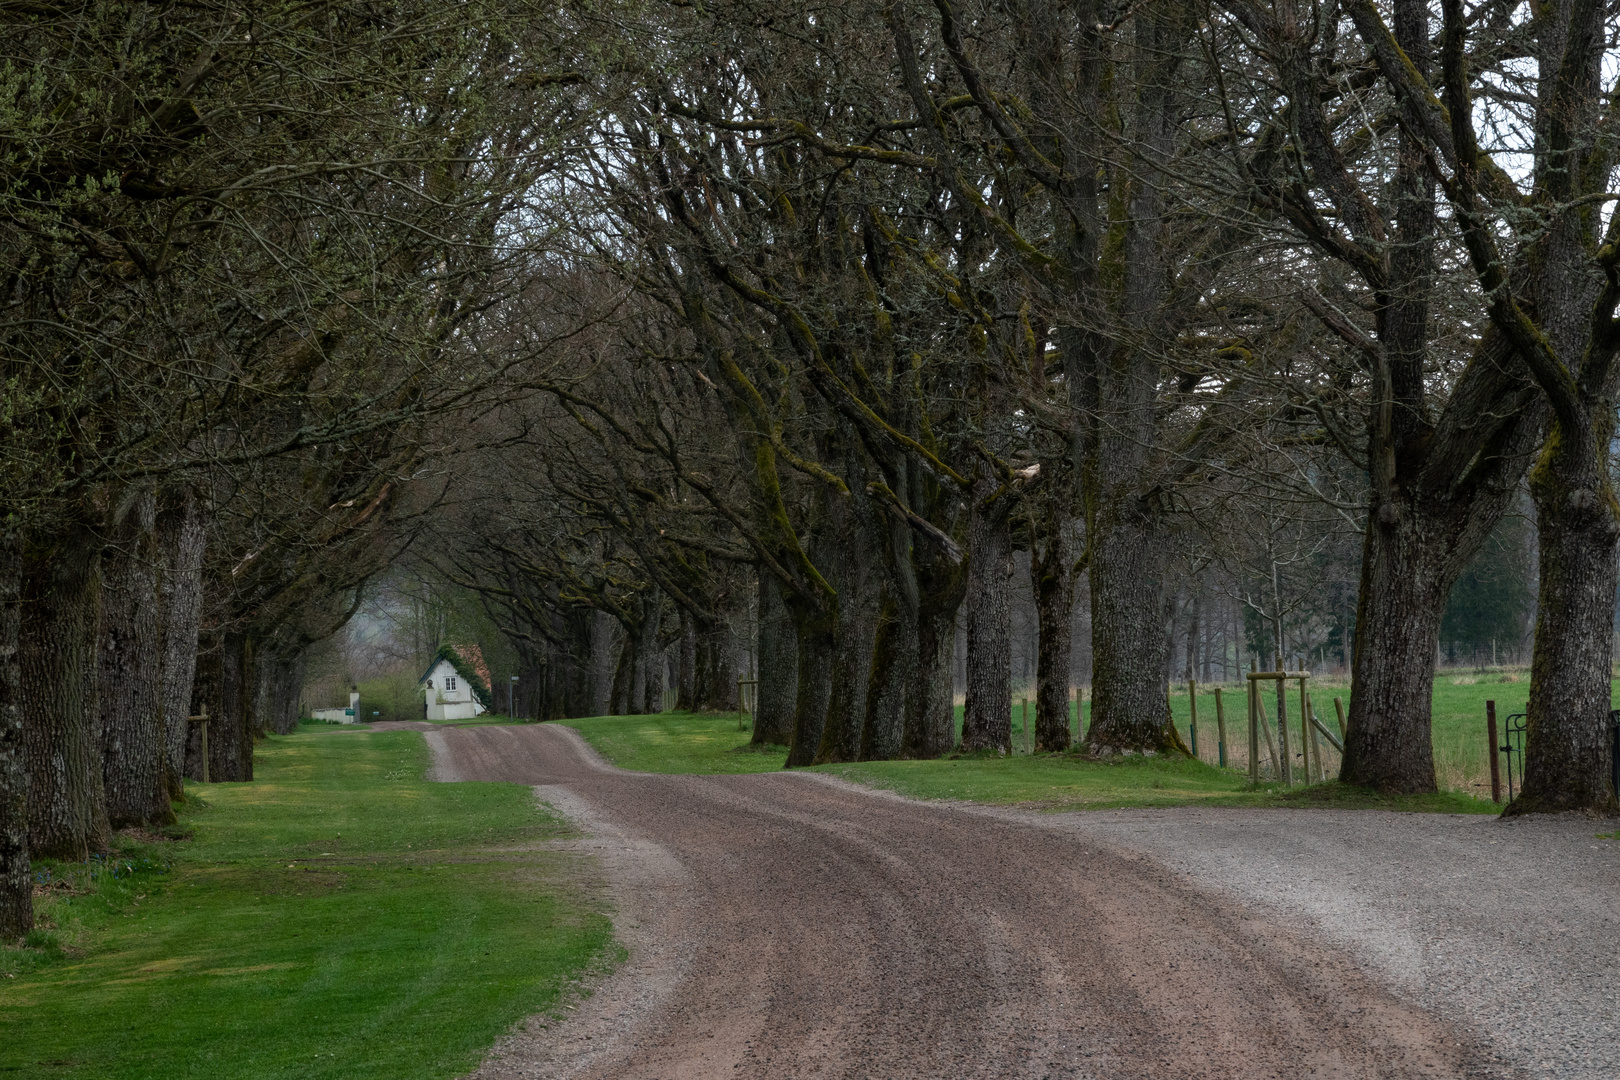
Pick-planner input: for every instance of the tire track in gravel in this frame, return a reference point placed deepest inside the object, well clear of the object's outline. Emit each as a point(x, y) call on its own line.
point(780, 926)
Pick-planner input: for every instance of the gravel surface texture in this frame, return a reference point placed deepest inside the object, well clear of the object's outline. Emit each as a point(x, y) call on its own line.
point(784, 926)
point(1510, 928)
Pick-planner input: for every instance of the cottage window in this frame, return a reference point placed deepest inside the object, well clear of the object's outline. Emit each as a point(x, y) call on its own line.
point(449, 682)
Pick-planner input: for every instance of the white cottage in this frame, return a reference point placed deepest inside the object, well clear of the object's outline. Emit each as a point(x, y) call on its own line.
point(448, 691)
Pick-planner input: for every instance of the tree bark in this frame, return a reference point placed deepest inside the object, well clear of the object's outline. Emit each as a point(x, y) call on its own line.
point(930, 729)
point(16, 878)
point(130, 680)
point(1405, 578)
point(622, 703)
point(778, 667)
point(282, 680)
point(1129, 711)
point(600, 630)
point(1573, 270)
point(816, 646)
point(1051, 572)
point(1566, 749)
point(649, 686)
point(57, 645)
point(987, 712)
point(686, 690)
point(230, 738)
point(182, 535)
point(892, 680)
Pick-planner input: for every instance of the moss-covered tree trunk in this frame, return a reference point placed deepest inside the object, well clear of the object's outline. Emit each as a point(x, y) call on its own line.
point(816, 638)
point(987, 711)
point(60, 612)
point(1130, 713)
point(130, 680)
point(894, 660)
point(182, 539)
point(16, 879)
point(686, 665)
point(853, 551)
point(230, 720)
point(930, 729)
point(647, 688)
point(778, 671)
point(1051, 572)
point(599, 630)
point(1566, 750)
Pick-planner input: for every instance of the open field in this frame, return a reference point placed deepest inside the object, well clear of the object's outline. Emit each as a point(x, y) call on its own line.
point(708, 744)
point(338, 917)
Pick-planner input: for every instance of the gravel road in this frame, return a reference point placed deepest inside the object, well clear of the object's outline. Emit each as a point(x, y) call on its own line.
point(784, 925)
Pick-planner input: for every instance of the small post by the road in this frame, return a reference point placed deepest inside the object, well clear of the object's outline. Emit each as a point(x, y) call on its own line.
point(1287, 769)
point(1306, 744)
point(1316, 745)
point(511, 694)
point(1027, 748)
point(203, 720)
point(1496, 765)
point(1192, 704)
point(1254, 724)
point(1220, 729)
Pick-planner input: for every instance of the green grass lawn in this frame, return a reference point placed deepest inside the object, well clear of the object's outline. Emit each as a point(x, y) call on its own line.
point(709, 744)
point(338, 917)
point(676, 742)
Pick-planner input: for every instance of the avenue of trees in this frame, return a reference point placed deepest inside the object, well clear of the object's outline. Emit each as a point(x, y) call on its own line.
point(670, 333)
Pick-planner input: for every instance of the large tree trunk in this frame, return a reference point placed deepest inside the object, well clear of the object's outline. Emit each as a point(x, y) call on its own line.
point(778, 666)
point(715, 683)
point(892, 679)
point(1566, 749)
point(182, 537)
point(1566, 758)
point(686, 699)
point(1129, 712)
point(851, 558)
point(282, 680)
point(230, 739)
point(622, 703)
point(816, 637)
point(649, 688)
point(930, 729)
point(57, 646)
point(600, 630)
point(16, 879)
point(987, 712)
point(1051, 572)
point(1405, 579)
point(130, 680)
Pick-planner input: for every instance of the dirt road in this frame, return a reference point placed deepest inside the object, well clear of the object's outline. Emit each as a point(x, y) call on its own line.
point(783, 926)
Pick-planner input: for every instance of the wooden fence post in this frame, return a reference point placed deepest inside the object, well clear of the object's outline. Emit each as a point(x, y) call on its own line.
point(1192, 704)
point(1338, 707)
point(1316, 745)
point(1490, 733)
point(1254, 725)
point(1287, 767)
point(1305, 745)
point(1220, 729)
point(203, 720)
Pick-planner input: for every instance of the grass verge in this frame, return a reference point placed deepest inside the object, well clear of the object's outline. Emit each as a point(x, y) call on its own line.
point(337, 917)
point(708, 744)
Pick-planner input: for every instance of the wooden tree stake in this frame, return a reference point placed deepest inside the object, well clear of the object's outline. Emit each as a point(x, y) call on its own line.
point(1192, 704)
